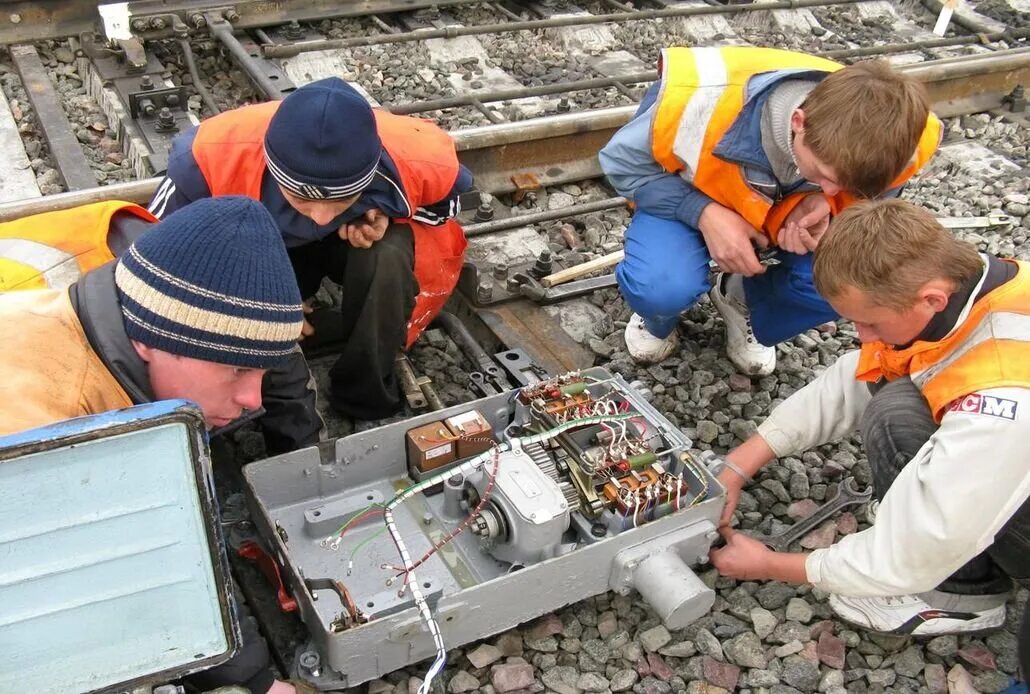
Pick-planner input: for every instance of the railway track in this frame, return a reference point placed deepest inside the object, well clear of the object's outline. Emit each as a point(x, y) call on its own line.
point(530, 91)
point(536, 130)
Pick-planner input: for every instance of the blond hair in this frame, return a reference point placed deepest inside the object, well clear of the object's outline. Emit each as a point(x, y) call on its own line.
point(889, 250)
point(865, 121)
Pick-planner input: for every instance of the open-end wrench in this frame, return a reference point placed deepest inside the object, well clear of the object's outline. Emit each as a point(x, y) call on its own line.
point(848, 494)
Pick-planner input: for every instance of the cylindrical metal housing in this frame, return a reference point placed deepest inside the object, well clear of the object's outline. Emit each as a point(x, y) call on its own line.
point(672, 589)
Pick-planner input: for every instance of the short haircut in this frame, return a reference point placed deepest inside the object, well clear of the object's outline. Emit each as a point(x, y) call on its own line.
point(865, 121)
point(888, 250)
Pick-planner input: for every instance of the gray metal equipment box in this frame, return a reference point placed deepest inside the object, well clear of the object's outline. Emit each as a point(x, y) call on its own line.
point(587, 489)
point(112, 567)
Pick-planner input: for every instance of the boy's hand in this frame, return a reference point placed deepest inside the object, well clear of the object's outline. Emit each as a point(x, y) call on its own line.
point(363, 232)
point(306, 330)
point(743, 558)
point(733, 484)
point(805, 225)
point(730, 240)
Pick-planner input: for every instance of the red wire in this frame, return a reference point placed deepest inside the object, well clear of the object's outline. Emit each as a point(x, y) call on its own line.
point(363, 516)
point(464, 524)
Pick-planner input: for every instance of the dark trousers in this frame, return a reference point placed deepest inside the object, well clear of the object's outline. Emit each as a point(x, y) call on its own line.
point(378, 289)
point(291, 420)
point(896, 424)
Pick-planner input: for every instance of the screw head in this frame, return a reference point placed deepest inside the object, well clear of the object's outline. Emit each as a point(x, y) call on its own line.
point(138, 24)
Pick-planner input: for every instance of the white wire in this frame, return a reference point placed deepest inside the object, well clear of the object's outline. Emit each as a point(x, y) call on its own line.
point(466, 468)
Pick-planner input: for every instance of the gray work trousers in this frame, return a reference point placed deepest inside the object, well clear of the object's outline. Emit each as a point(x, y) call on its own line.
point(895, 426)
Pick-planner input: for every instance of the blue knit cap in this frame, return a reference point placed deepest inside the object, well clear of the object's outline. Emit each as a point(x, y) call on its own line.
point(212, 281)
point(322, 142)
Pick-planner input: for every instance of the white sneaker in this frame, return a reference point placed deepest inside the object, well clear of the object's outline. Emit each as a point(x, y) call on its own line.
point(645, 347)
point(910, 614)
point(746, 352)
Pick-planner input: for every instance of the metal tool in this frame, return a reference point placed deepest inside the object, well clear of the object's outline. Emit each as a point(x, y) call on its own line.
point(994, 220)
point(409, 383)
point(848, 494)
point(531, 288)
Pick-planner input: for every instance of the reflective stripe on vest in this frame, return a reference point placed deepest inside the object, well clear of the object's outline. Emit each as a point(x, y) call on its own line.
point(53, 249)
point(990, 349)
point(229, 151)
point(42, 266)
point(701, 95)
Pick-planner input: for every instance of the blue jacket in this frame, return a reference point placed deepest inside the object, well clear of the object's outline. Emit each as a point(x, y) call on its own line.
point(185, 183)
point(633, 172)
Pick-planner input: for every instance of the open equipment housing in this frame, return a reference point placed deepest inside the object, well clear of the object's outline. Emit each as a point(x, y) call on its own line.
point(579, 487)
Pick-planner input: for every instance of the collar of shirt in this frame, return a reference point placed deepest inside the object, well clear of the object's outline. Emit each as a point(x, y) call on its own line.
point(385, 193)
point(998, 273)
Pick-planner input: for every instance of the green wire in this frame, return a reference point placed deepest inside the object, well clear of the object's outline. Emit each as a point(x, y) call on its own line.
point(364, 542)
point(342, 528)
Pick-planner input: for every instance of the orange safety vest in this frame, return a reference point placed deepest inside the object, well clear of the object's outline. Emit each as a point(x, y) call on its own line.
point(990, 349)
point(229, 149)
point(702, 92)
point(52, 250)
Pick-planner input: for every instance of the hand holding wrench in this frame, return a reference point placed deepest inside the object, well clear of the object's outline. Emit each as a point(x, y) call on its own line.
point(848, 494)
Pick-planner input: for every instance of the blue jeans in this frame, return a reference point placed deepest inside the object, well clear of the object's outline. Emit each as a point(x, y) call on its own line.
point(666, 272)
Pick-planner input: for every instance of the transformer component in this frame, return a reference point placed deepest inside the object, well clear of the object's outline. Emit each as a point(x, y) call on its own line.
point(473, 434)
point(430, 446)
point(527, 514)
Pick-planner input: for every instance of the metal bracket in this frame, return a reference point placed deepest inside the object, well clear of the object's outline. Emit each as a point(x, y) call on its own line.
point(520, 367)
point(531, 288)
point(148, 103)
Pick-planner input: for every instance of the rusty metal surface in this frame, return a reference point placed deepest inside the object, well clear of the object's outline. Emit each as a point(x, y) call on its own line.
point(564, 148)
point(65, 149)
point(35, 20)
point(556, 149)
point(972, 83)
point(523, 324)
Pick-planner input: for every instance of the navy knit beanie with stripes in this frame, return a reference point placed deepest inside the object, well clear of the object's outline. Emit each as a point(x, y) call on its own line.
point(322, 142)
point(212, 281)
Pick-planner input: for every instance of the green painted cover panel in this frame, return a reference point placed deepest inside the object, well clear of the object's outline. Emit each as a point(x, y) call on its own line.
point(105, 567)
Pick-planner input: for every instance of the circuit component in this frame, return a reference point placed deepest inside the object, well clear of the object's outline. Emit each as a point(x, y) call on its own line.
point(430, 446)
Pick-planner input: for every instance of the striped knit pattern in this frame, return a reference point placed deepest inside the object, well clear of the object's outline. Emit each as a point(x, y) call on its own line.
point(212, 282)
point(322, 143)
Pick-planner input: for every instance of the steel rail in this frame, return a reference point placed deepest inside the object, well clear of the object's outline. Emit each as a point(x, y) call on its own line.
point(563, 148)
point(293, 49)
point(620, 81)
point(223, 31)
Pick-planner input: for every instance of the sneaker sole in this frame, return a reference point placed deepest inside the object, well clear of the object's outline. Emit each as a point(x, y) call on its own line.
point(912, 628)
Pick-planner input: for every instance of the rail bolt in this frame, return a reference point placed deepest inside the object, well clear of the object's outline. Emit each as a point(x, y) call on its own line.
point(1017, 99)
point(543, 264)
point(197, 20)
point(311, 663)
point(138, 24)
point(146, 82)
point(231, 16)
point(485, 212)
point(157, 23)
point(484, 293)
point(165, 120)
point(293, 31)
